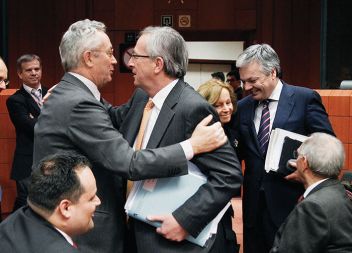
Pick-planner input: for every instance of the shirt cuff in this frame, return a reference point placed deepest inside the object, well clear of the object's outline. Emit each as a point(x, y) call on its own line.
point(187, 149)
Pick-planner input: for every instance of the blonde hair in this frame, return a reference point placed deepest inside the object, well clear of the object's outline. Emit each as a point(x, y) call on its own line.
point(211, 91)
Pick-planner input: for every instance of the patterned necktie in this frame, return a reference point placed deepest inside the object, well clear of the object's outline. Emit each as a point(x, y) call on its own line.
point(37, 96)
point(146, 115)
point(264, 128)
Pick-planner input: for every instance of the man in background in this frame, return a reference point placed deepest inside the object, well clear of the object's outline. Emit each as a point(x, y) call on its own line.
point(61, 203)
point(218, 76)
point(24, 108)
point(158, 63)
point(76, 118)
point(233, 78)
point(3, 75)
point(268, 198)
point(321, 222)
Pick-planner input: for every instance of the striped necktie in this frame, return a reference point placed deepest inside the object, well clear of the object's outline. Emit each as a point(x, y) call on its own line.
point(264, 128)
point(37, 96)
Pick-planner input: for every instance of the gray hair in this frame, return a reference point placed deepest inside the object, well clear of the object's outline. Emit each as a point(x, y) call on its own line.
point(79, 37)
point(325, 154)
point(167, 43)
point(264, 55)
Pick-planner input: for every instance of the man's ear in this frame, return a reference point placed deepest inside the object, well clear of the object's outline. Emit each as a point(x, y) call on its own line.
point(159, 65)
point(274, 73)
point(87, 58)
point(64, 208)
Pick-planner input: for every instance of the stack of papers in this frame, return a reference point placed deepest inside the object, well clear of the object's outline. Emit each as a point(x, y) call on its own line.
point(278, 153)
point(165, 195)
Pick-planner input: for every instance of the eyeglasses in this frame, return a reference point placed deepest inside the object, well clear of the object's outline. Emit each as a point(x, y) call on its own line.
point(136, 56)
point(6, 81)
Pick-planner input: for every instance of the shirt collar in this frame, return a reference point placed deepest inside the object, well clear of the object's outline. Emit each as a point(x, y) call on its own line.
point(90, 85)
point(275, 95)
point(67, 237)
point(311, 187)
point(29, 89)
point(160, 97)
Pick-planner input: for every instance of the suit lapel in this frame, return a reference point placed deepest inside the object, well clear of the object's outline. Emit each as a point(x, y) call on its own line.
point(166, 114)
point(251, 127)
point(134, 122)
point(284, 107)
point(30, 101)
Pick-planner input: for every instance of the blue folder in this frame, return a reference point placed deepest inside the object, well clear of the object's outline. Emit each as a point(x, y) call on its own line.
point(163, 196)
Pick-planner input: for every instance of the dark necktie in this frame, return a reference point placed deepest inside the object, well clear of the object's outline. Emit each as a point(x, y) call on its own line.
point(264, 128)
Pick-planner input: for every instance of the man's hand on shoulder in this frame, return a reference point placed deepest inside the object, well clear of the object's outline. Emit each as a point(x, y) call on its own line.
point(170, 228)
point(207, 138)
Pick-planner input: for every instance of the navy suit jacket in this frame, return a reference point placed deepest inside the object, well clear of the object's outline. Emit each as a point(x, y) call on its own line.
point(320, 223)
point(20, 106)
point(299, 110)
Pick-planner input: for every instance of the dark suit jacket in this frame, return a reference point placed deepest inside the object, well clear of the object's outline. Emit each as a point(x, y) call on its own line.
point(299, 110)
point(320, 223)
point(181, 111)
point(72, 119)
point(20, 105)
point(25, 231)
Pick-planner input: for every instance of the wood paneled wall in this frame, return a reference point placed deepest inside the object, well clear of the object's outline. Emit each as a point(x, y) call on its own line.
point(292, 27)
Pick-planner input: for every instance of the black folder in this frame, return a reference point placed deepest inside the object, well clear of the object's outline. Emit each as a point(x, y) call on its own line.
point(289, 146)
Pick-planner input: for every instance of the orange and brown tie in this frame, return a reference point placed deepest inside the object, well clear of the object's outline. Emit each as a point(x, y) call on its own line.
point(139, 141)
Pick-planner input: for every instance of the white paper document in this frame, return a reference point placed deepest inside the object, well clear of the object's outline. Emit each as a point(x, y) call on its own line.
point(275, 146)
point(165, 195)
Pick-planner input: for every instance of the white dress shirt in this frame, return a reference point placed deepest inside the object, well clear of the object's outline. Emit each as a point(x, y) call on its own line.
point(90, 85)
point(158, 101)
point(274, 101)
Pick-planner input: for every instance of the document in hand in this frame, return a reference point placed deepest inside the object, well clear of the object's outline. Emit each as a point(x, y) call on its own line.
point(165, 195)
point(281, 146)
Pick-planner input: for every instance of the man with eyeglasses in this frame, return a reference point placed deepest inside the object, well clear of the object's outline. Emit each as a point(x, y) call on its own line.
point(321, 221)
point(24, 108)
point(268, 198)
point(158, 63)
point(76, 118)
point(3, 75)
point(233, 78)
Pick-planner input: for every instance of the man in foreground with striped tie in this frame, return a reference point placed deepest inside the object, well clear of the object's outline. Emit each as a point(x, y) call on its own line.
point(24, 108)
point(268, 198)
point(321, 222)
point(61, 203)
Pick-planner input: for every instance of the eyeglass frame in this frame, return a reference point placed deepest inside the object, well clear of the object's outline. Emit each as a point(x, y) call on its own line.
point(135, 56)
point(6, 81)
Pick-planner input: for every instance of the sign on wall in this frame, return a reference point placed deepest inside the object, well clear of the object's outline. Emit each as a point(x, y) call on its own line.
point(167, 20)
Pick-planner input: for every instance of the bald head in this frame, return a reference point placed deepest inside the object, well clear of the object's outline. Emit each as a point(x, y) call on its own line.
point(3, 74)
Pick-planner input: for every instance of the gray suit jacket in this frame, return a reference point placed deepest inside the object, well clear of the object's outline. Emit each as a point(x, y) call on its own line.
point(181, 111)
point(72, 119)
point(322, 222)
